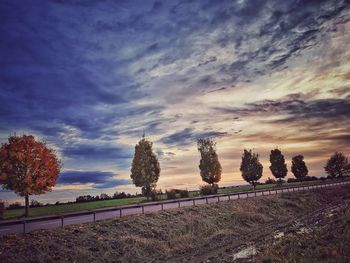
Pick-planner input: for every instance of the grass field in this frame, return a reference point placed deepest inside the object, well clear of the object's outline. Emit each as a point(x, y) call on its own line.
point(66, 208)
point(307, 226)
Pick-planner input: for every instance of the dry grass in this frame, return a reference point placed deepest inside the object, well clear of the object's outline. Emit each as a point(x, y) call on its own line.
point(192, 234)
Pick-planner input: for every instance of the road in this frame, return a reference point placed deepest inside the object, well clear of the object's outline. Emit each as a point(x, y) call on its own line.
point(30, 224)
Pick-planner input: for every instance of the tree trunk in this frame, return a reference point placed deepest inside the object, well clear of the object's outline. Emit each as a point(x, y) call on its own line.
point(27, 206)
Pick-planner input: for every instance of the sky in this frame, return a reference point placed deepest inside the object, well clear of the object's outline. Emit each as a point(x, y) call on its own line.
point(89, 77)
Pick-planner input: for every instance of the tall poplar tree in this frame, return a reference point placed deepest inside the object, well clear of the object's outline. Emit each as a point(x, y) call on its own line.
point(299, 168)
point(145, 169)
point(251, 167)
point(210, 167)
point(278, 166)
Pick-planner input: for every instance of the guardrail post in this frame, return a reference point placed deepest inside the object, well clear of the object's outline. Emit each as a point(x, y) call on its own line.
point(238, 196)
point(120, 212)
point(218, 199)
point(229, 197)
point(94, 217)
point(206, 199)
point(24, 226)
point(62, 221)
point(254, 193)
point(179, 203)
point(161, 206)
point(194, 203)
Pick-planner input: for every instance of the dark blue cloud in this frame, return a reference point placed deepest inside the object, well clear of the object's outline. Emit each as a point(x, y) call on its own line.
point(98, 178)
point(189, 136)
point(97, 152)
point(85, 73)
point(62, 60)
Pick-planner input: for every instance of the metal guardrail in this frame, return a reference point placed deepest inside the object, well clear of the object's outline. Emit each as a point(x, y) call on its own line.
point(23, 225)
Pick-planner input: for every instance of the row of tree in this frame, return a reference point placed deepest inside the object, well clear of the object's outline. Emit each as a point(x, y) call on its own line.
point(28, 166)
point(103, 196)
point(145, 170)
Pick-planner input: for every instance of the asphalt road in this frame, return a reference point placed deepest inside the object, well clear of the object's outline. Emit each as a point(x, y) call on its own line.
point(48, 223)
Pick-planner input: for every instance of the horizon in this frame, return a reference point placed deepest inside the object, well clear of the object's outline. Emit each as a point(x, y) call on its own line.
point(90, 77)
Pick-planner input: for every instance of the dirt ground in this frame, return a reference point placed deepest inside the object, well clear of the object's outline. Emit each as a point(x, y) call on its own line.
point(291, 227)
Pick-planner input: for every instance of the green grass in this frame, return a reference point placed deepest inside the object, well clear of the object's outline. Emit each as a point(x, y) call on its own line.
point(66, 208)
point(264, 187)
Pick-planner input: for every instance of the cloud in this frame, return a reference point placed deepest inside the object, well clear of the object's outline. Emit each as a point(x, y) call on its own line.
point(189, 136)
point(90, 76)
point(96, 152)
point(294, 107)
point(97, 178)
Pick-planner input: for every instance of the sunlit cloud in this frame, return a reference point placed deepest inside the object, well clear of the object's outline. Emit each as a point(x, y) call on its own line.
point(90, 77)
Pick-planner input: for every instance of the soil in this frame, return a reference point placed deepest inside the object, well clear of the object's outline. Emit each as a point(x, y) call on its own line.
point(290, 227)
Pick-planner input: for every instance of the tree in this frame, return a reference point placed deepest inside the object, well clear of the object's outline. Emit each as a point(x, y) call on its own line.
point(145, 169)
point(2, 209)
point(28, 167)
point(337, 165)
point(251, 168)
point(210, 167)
point(278, 167)
point(299, 168)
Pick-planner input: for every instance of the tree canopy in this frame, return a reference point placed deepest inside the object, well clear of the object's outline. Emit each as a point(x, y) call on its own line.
point(28, 166)
point(278, 166)
point(251, 167)
point(145, 169)
point(337, 165)
point(299, 168)
point(209, 165)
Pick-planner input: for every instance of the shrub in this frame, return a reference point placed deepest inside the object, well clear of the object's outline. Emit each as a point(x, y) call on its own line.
point(209, 189)
point(171, 194)
point(15, 205)
point(270, 181)
point(310, 178)
point(2, 209)
point(154, 195)
point(35, 203)
point(184, 194)
point(104, 197)
point(121, 195)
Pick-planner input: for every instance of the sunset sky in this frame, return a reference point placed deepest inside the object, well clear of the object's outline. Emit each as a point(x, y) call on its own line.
point(89, 76)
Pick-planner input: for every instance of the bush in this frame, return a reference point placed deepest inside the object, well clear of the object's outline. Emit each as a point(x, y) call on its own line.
point(184, 194)
point(15, 205)
point(154, 195)
point(209, 189)
point(104, 197)
point(310, 178)
point(294, 180)
point(171, 194)
point(2, 209)
point(121, 195)
point(35, 203)
point(270, 181)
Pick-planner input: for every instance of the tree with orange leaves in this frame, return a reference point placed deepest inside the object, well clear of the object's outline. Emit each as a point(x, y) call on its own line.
point(28, 167)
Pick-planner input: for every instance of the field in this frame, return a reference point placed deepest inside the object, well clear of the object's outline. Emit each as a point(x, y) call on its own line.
point(66, 208)
point(310, 226)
